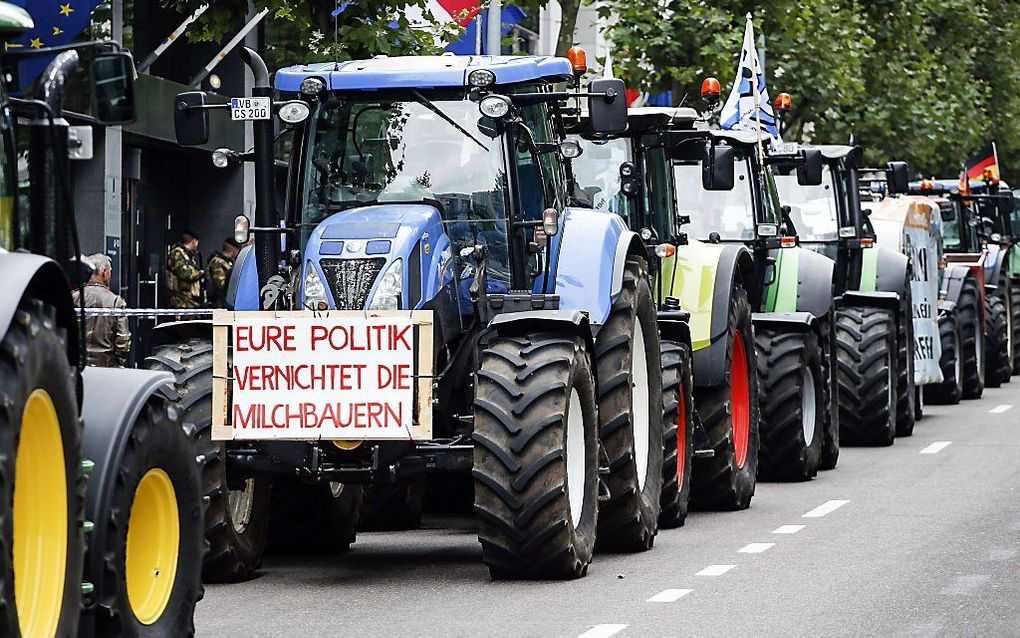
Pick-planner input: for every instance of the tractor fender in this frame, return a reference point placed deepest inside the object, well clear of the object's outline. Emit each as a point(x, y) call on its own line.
point(735, 265)
point(814, 283)
point(565, 321)
point(243, 287)
point(675, 326)
point(42, 278)
point(786, 321)
point(175, 331)
point(893, 271)
point(993, 267)
point(592, 257)
point(952, 282)
point(876, 299)
point(114, 397)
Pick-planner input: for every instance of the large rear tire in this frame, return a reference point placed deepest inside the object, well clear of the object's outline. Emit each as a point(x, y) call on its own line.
point(950, 390)
point(236, 521)
point(157, 506)
point(319, 518)
point(971, 339)
point(393, 507)
point(866, 354)
point(791, 398)
point(906, 395)
point(630, 416)
point(729, 413)
point(998, 364)
point(678, 436)
point(830, 430)
point(1014, 324)
point(536, 458)
point(41, 480)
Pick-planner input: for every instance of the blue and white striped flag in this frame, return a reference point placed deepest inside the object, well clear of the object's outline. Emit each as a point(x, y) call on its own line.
point(748, 107)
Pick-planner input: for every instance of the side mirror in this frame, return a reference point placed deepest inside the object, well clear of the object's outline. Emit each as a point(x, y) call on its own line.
point(191, 121)
point(717, 168)
point(1006, 205)
point(809, 170)
point(608, 111)
point(113, 88)
point(897, 177)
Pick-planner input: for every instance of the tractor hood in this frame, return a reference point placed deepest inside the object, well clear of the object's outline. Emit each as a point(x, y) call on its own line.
point(375, 251)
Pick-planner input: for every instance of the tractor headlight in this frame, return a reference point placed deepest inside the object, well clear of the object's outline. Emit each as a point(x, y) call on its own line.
point(315, 292)
point(391, 288)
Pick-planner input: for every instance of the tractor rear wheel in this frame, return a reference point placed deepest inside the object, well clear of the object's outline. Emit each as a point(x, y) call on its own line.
point(536, 458)
point(157, 506)
point(951, 389)
point(998, 365)
point(389, 507)
point(678, 434)
point(866, 350)
point(906, 412)
point(791, 399)
point(972, 347)
point(319, 518)
point(1014, 324)
point(830, 430)
point(630, 416)
point(729, 413)
point(41, 480)
point(237, 520)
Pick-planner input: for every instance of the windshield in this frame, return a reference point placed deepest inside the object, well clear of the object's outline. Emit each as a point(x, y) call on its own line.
point(729, 213)
point(368, 151)
point(597, 173)
point(812, 208)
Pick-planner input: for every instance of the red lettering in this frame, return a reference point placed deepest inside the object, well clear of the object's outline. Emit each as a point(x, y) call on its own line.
point(319, 333)
point(399, 337)
point(244, 420)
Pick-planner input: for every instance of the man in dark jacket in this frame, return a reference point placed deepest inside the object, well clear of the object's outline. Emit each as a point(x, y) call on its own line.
point(107, 339)
point(218, 272)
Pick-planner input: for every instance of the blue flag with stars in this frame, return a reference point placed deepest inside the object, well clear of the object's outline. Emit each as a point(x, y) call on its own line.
point(748, 107)
point(57, 22)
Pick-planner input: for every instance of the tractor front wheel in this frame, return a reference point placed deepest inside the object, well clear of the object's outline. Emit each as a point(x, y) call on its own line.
point(951, 389)
point(998, 365)
point(41, 480)
point(1014, 324)
point(729, 413)
point(972, 347)
point(678, 433)
point(791, 396)
point(536, 458)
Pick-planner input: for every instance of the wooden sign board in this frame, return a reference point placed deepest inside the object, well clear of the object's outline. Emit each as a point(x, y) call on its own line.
point(337, 375)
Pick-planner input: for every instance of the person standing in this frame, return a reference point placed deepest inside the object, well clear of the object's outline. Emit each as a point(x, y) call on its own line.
point(218, 272)
point(107, 339)
point(184, 272)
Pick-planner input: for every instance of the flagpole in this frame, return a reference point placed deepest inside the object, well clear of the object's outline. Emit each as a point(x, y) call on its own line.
point(757, 94)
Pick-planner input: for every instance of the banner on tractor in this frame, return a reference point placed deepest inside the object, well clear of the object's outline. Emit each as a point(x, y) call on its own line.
point(322, 376)
point(913, 224)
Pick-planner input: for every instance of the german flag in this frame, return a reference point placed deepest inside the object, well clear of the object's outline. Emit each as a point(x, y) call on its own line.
point(986, 159)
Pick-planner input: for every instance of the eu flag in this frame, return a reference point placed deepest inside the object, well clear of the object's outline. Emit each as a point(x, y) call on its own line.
point(57, 22)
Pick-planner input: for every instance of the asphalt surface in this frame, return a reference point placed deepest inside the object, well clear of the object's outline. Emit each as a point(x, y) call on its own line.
point(920, 539)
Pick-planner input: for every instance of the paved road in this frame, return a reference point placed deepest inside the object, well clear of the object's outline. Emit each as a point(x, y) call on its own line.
point(920, 539)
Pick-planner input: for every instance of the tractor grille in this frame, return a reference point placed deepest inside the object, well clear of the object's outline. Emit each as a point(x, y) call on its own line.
point(350, 280)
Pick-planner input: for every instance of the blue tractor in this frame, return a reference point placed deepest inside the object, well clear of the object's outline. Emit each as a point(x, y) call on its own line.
point(441, 184)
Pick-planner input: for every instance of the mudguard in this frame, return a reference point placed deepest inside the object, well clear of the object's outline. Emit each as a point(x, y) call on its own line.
point(994, 265)
point(114, 397)
point(40, 277)
point(803, 283)
point(592, 257)
point(570, 321)
point(786, 321)
point(893, 270)
point(953, 277)
point(876, 299)
point(243, 287)
point(174, 331)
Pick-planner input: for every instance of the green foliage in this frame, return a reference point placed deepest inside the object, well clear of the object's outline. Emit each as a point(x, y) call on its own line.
point(928, 81)
point(304, 30)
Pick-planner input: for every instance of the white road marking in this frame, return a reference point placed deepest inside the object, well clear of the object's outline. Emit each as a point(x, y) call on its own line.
point(999, 409)
point(669, 595)
point(825, 508)
point(788, 529)
point(715, 570)
point(603, 631)
point(936, 447)
point(755, 548)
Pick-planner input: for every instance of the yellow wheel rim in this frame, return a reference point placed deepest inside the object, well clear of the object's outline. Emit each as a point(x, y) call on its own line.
point(40, 518)
point(153, 538)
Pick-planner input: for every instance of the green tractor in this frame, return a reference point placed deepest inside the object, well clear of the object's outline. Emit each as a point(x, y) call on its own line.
point(100, 532)
point(821, 185)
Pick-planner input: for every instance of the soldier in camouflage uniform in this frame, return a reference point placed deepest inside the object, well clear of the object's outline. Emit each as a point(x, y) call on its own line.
point(107, 339)
point(184, 273)
point(218, 272)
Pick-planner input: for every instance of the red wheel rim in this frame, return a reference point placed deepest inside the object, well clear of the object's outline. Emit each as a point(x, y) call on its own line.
point(740, 399)
point(681, 438)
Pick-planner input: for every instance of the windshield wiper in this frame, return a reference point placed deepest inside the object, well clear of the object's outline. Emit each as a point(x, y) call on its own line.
point(427, 103)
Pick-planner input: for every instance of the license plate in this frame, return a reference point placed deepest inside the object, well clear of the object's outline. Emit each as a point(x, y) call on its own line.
point(250, 108)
